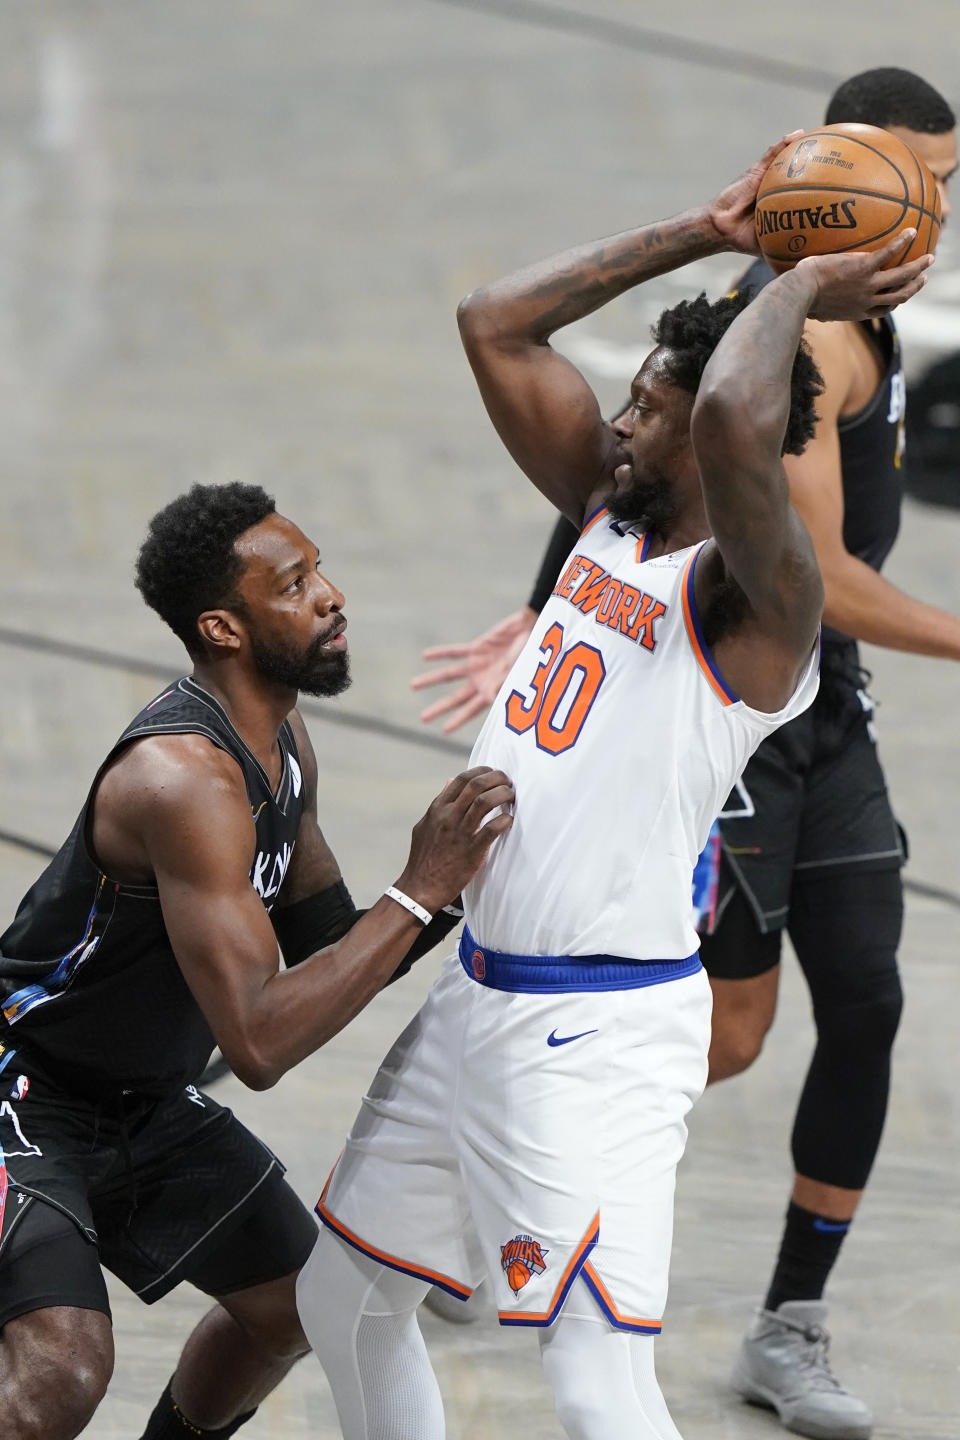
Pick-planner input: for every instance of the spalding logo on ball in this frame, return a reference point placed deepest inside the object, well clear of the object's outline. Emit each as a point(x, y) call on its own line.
point(845, 187)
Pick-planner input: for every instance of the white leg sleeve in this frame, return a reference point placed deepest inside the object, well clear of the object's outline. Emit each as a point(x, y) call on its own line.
point(360, 1317)
point(603, 1380)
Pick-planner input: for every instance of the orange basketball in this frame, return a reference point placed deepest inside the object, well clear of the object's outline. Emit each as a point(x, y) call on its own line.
point(845, 187)
point(517, 1275)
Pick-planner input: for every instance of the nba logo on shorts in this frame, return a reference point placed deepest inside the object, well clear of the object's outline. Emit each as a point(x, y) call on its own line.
point(479, 964)
point(520, 1259)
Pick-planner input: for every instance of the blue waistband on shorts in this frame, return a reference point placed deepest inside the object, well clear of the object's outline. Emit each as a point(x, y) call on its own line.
point(546, 974)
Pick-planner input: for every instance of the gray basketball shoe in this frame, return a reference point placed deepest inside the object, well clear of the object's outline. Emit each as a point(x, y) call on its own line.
point(783, 1364)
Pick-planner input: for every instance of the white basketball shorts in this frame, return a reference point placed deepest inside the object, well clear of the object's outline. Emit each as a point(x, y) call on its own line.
point(529, 1137)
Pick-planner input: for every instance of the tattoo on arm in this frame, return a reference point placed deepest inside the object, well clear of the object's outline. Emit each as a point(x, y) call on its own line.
point(583, 279)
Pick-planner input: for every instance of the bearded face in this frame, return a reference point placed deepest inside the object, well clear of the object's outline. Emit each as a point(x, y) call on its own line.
point(651, 501)
point(654, 464)
point(311, 669)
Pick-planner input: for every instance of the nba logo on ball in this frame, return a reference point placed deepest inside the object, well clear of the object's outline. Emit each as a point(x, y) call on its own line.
point(843, 188)
point(798, 161)
point(520, 1259)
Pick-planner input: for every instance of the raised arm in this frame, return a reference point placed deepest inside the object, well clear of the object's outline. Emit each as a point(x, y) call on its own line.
point(543, 409)
point(738, 427)
point(858, 601)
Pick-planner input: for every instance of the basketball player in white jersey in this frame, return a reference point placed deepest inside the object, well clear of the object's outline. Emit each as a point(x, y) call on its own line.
point(528, 1123)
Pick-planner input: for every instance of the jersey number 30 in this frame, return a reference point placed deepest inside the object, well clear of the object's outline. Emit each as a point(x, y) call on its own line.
point(564, 685)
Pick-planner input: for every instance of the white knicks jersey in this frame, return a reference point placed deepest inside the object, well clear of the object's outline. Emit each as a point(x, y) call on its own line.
point(622, 741)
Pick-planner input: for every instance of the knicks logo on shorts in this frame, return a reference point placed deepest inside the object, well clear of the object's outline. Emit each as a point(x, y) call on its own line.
point(479, 967)
point(520, 1259)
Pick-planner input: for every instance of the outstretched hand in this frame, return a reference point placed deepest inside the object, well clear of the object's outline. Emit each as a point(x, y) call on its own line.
point(732, 212)
point(857, 286)
point(482, 664)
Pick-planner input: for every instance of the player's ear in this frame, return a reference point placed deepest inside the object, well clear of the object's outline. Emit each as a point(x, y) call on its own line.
point(221, 629)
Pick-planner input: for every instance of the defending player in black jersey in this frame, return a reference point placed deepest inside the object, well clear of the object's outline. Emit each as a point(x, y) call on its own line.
point(152, 935)
point(810, 844)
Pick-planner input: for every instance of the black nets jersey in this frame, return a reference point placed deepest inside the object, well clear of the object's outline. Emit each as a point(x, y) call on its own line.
point(872, 457)
point(90, 989)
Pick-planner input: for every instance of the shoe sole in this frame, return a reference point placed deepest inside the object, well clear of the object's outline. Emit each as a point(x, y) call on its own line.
point(755, 1394)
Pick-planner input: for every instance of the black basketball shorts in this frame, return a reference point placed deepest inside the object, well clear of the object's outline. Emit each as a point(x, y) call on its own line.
point(812, 800)
point(155, 1191)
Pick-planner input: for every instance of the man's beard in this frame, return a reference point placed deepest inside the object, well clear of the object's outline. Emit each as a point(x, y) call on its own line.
point(652, 502)
point(313, 671)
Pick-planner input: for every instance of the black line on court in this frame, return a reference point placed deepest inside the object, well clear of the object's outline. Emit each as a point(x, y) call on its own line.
point(623, 35)
point(932, 892)
point(130, 664)
point(23, 842)
point(133, 665)
point(915, 887)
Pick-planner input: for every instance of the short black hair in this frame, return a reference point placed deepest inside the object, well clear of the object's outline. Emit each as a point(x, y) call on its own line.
point(188, 562)
point(692, 330)
point(890, 96)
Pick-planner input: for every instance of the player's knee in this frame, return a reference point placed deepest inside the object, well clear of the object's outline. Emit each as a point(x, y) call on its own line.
point(313, 1298)
point(79, 1390)
point(278, 1332)
point(732, 1054)
point(864, 1023)
point(287, 1343)
point(581, 1404)
point(56, 1388)
point(743, 1012)
point(880, 1019)
point(736, 1041)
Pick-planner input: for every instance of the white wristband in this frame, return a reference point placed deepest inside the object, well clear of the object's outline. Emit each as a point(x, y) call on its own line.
point(422, 915)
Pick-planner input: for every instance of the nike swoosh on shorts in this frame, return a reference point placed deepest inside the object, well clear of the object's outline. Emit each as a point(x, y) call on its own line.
point(555, 1039)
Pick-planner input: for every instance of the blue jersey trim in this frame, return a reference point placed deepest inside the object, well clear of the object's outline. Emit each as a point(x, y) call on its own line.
point(548, 974)
point(430, 1277)
point(589, 519)
point(619, 1322)
point(541, 1322)
point(731, 695)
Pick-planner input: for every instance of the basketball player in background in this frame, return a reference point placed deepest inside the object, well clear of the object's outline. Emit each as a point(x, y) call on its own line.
point(153, 934)
point(810, 844)
point(528, 1123)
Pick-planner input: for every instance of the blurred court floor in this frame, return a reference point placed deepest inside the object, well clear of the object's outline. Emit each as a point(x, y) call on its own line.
point(232, 239)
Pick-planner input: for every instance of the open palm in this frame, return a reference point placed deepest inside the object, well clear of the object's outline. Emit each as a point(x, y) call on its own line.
point(481, 664)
